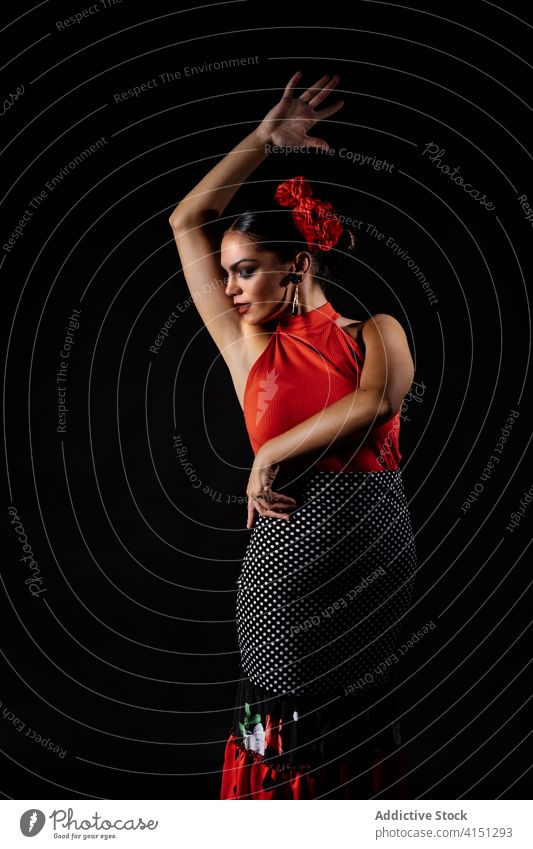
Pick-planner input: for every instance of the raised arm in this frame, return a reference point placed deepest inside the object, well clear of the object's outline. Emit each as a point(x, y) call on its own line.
point(193, 219)
point(198, 241)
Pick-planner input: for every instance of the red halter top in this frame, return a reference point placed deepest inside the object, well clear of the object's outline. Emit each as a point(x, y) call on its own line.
point(308, 364)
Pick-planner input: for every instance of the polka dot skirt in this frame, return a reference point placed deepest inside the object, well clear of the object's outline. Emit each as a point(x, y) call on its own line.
point(321, 598)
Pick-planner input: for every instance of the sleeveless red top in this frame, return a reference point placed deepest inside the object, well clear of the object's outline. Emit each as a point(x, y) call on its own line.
point(309, 363)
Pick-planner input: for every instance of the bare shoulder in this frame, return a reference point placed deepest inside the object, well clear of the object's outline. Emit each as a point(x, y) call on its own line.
point(385, 328)
point(386, 339)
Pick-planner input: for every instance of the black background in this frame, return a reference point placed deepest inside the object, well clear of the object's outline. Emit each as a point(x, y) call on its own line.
point(128, 658)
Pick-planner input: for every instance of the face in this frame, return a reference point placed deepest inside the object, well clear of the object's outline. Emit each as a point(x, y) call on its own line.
point(255, 277)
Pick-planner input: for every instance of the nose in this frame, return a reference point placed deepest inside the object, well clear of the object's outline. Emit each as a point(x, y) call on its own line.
point(231, 287)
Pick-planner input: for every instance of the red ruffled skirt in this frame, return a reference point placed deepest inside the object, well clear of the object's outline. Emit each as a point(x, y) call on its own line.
point(287, 747)
point(245, 776)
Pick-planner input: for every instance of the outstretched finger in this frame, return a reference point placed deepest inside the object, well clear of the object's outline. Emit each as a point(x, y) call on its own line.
point(291, 84)
point(311, 91)
point(329, 110)
point(321, 95)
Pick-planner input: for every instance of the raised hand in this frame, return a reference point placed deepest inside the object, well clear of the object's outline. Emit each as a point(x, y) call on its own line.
point(291, 119)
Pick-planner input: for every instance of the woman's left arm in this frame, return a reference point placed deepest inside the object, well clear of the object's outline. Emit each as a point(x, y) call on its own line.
point(386, 377)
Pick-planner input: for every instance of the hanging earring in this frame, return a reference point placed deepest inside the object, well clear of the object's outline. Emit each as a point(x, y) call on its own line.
point(295, 278)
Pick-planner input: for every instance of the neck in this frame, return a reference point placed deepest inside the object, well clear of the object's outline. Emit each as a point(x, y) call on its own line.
point(309, 298)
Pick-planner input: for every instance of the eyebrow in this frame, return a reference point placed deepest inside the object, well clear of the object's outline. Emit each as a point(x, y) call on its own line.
point(243, 259)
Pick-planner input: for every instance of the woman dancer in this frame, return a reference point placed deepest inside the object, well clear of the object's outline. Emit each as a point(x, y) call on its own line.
point(328, 571)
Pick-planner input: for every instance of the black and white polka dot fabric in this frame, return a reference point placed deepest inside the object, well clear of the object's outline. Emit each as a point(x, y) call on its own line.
point(320, 600)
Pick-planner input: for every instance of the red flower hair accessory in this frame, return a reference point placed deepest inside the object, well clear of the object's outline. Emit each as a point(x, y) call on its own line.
point(314, 218)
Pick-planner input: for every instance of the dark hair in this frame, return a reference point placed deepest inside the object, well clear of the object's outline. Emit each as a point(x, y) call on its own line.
point(274, 230)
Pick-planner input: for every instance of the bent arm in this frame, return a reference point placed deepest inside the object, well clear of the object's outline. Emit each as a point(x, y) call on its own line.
point(349, 417)
point(386, 376)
